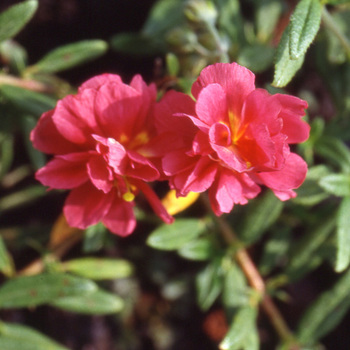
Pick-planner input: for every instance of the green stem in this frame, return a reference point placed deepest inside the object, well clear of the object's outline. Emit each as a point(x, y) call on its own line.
point(330, 24)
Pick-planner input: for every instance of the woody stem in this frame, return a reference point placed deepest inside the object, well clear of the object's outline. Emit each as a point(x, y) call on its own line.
point(256, 281)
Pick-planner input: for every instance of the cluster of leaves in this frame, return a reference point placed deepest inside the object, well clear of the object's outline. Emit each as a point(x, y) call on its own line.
point(293, 238)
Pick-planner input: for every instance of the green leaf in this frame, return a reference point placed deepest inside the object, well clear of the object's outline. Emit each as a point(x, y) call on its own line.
point(343, 236)
point(304, 256)
point(15, 336)
point(68, 56)
point(14, 55)
point(326, 312)
point(285, 67)
point(334, 150)
point(261, 214)
point(99, 268)
point(235, 291)
point(275, 250)
point(304, 25)
point(242, 334)
point(164, 15)
point(38, 159)
point(35, 290)
point(95, 303)
point(209, 284)
point(270, 9)
point(21, 197)
point(310, 193)
point(174, 236)
point(6, 152)
point(336, 184)
point(27, 101)
point(94, 238)
point(15, 18)
point(6, 262)
point(137, 44)
point(199, 249)
point(256, 57)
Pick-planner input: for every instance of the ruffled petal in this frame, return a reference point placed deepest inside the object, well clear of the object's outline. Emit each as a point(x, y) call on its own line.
point(86, 206)
point(198, 179)
point(64, 172)
point(211, 106)
point(120, 112)
point(75, 118)
point(231, 188)
point(99, 80)
point(290, 177)
point(237, 82)
point(120, 218)
point(140, 167)
point(231, 158)
point(100, 174)
point(46, 138)
point(293, 108)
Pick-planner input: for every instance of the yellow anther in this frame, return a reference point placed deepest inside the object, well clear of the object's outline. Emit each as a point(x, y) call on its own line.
point(128, 196)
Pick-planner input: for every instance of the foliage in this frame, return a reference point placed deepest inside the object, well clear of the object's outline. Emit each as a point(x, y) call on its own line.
point(304, 50)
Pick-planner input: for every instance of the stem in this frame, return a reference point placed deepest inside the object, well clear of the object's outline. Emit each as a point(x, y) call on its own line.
point(24, 83)
point(256, 281)
point(330, 24)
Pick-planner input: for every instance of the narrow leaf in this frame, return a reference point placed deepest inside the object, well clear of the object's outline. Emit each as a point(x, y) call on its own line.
point(285, 67)
point(326, 312)
point(336, 184)
point(198, 249)
point(95, 303)
point(15, 18)
point(6, 262)
point(334, 150)
point(304, 255)
point(343, 235)
point(99, 268)
point(304, 25)
point(235, 290)
point(209, 284)
point(26, 101)
point(68, 56)
point(15, 336)
point(30, 291)
point(242, 333)
point(260, 215)
point(171, 237)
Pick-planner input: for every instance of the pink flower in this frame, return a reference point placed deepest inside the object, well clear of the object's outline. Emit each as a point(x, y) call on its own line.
point(104, 142)
point(241, 139)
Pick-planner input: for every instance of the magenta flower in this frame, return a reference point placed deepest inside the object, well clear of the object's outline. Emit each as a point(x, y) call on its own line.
point(241, 139)
point(104, 142)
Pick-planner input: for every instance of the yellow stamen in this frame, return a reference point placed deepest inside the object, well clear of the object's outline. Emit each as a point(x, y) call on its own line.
point(128, 196)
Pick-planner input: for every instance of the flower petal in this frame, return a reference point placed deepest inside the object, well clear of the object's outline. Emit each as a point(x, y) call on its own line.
point(293, 109)
point(290, 177)
point(64, 172)
point(154, 201)
point(211, 106)
point(75, 119)
point(100, 174)
point(231, 188)
point(120, 218)
point(237, 82)
point(99, 80)
point(46, 138)
point(87, 206)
